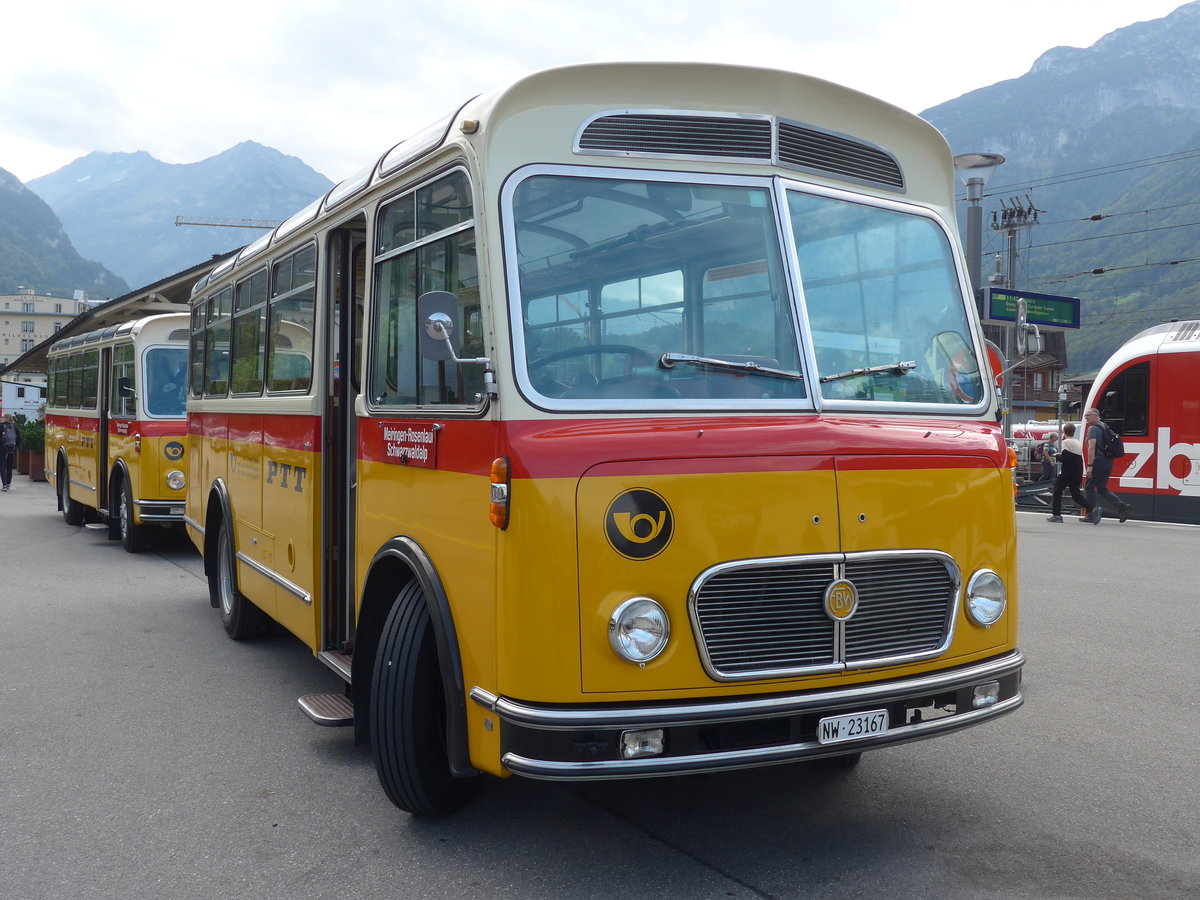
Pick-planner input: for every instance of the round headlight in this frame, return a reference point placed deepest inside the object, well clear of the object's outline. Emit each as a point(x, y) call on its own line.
point(986, 597)
point(638, 630)
point(176, 480)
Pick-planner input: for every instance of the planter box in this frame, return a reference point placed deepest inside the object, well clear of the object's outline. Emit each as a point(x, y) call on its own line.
point(37, 465)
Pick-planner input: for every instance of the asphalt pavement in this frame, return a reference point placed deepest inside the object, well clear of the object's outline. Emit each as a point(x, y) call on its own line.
point(144, 754)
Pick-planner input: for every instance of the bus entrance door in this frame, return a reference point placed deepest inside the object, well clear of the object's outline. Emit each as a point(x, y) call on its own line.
point(346, 254)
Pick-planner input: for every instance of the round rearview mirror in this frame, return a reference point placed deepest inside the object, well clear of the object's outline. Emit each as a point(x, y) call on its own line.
point(1022, 322)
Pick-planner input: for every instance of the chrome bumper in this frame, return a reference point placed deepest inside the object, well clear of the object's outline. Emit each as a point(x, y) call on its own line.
point(581, 743)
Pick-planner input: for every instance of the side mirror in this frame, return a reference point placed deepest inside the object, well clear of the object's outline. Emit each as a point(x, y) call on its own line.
point(125, 387)
point(438, 313)
point(1029, 338)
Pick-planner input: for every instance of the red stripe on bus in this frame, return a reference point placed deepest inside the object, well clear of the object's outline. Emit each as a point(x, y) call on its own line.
point(147, 427)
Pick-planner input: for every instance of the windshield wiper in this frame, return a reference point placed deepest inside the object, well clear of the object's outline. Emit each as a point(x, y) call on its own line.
point(897, 368)
point(671, 360)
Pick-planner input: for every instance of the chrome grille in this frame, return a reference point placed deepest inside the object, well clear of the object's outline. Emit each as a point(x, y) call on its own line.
point(708, 136)
point(761, 618)
point(732, 137)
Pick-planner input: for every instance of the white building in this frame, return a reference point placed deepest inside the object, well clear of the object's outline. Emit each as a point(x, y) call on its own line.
point(27, 319)
point(23, 394)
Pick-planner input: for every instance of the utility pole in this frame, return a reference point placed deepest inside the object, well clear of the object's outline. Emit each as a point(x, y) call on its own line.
point(1012, 218)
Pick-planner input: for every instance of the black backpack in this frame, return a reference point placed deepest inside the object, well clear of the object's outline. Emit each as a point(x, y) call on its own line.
point(1111, 444)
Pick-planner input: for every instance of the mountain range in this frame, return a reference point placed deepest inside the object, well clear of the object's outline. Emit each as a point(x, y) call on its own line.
point(120, 208)
point(35, 251)
point(1110, 131)
point(1102, 146)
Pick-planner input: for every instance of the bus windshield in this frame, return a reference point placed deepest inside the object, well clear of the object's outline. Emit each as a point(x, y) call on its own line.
point(646, 290)
point(884, 306)
point(166, 381)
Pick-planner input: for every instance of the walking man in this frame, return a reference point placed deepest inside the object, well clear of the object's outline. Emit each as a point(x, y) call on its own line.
point(1099, 468)
point(1071, 474)
point(10, 440)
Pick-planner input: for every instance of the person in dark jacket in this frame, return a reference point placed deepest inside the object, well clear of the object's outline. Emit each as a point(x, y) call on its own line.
point(10, 440)
point(1070, 475)
point(1098, 468)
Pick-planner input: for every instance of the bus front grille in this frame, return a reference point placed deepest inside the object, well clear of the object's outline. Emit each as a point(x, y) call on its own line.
point(766, 618)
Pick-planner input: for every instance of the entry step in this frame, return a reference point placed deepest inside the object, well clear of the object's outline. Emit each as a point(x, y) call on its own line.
point(330, 710)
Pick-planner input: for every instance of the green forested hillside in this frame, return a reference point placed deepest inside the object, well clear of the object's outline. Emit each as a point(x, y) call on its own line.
point(36, 253)
point(1110, 130)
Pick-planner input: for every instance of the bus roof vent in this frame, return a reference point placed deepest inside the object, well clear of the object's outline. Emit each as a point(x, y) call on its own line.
point(671, 134)
point(1187, 331)
point(739, 137)
point(179, 334)
point(809, 148)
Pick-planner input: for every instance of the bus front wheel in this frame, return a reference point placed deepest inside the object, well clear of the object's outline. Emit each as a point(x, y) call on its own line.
point(240, 618)
point(408, 715)
point(133, 536)
point(72, 510)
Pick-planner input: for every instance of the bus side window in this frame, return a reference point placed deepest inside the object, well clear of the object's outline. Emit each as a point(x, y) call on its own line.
point(404, 269)
point(216, 362)
point(291, 317)
point(121, 401)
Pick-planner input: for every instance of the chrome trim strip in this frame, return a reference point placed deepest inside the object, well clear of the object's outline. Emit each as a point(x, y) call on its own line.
point(747, 758)
point(158, 510)
point(191, 523)
point(275, 577)
point(713, 711)
point(83, 484)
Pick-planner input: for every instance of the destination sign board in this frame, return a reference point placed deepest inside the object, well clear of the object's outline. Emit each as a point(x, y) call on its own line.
point(1042, 309)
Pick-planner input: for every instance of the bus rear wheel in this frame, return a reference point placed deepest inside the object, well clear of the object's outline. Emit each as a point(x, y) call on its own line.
point(240, 618)
point(408, 715)
point(72, 510)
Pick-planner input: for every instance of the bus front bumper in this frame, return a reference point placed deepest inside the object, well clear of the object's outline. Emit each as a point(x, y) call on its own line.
point(597, 742)
point(165, 511)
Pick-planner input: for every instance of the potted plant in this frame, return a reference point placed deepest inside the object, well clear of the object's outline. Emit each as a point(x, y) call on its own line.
point(33, 446)
point(19, 419)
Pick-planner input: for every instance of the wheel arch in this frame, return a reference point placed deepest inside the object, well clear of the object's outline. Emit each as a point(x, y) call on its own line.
point(398, 562)
point(218, 509)
point(62, 475)
point(118, 473)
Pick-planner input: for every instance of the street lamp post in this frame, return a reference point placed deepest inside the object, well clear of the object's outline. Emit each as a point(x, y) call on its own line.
point(975, 169)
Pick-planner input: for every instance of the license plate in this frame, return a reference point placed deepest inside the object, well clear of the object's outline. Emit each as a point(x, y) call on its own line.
point(853, 727)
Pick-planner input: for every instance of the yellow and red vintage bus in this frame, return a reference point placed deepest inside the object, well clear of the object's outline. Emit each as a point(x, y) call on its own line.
point(115, 427)
point(629, 421)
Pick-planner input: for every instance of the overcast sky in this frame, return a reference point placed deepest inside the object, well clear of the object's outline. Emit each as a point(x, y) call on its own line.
point(338, 83)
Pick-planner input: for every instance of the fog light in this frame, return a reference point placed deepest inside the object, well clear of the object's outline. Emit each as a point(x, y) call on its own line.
point(176, 480)
point(986, 694)
point(641, 744)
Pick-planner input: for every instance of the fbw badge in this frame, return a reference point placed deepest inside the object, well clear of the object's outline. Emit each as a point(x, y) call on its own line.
point(639, 524)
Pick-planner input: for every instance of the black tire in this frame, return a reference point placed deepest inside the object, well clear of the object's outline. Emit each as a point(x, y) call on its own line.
point(72, 510)
point(408, 715)
point(240, 618)
point(133, 537)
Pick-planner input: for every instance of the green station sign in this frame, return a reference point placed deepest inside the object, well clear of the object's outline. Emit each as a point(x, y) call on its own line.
point(1041, 309)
